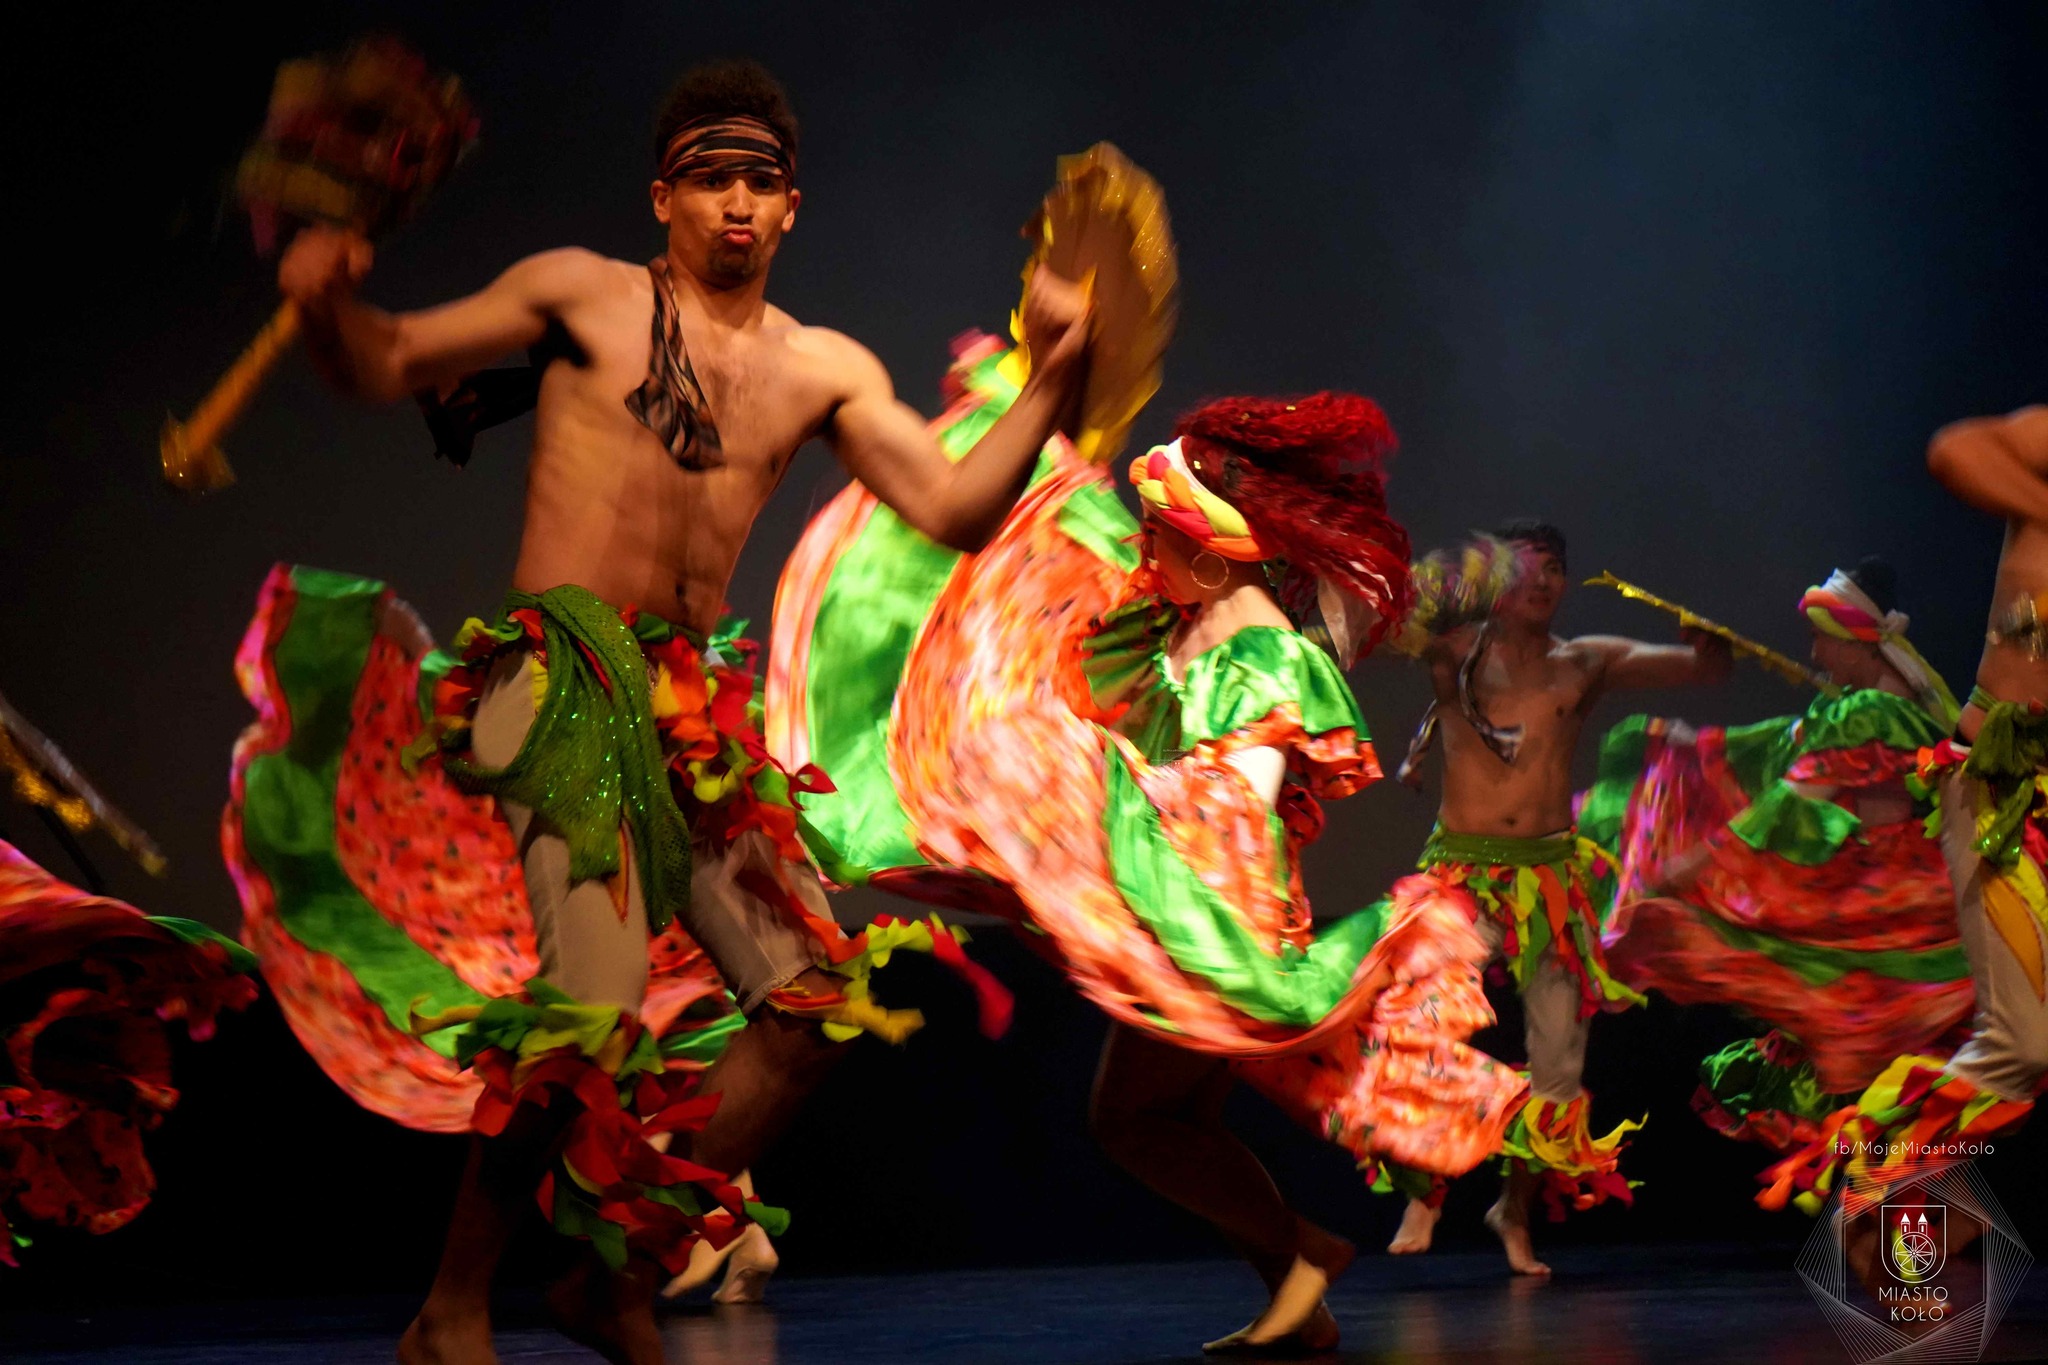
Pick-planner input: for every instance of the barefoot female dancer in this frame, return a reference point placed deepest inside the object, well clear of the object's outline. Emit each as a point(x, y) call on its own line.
point(1132, 738)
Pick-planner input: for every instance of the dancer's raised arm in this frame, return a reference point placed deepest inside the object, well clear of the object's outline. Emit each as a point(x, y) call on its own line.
point(886, 445)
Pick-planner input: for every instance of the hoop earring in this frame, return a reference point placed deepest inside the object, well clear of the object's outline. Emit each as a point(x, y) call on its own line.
point(1195, 574)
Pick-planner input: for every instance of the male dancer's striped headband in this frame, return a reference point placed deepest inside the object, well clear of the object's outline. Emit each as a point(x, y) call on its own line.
point(1841, 609)
point(735, 143)
point(1169, 489)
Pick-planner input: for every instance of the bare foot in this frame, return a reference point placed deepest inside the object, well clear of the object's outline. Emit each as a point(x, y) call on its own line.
point(612, 1314)
point(746, 1275)
point(434, 1339)
point(1418, 1229)
point(1319, 1258)
point(1511, 1225)
point(1317, 1336)
point(703, 1267)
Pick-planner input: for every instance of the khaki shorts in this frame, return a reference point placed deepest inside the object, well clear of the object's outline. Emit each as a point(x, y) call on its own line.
point(1552, 1031)
point(2007, 1051)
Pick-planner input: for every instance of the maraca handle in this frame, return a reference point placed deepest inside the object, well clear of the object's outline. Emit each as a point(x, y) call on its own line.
point(192, 461)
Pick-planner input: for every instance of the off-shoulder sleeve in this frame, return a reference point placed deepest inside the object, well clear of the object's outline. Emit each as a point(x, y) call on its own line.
point(1269, 686)
point(1861, 739)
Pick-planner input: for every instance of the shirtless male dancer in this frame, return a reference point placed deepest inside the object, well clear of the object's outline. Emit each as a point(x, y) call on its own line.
point(1510, 699)
point(2000, 465)
point(651, 459)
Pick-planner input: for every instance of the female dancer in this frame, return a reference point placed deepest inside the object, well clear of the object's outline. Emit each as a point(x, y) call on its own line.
point(1128, 735)
point(1783, 868)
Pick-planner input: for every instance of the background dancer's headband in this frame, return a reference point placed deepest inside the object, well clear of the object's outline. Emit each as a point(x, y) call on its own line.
point(1841, 609)
point(729, 142)
point(1169, 490)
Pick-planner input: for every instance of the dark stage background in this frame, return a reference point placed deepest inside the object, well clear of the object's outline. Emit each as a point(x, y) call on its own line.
point(1695, 281)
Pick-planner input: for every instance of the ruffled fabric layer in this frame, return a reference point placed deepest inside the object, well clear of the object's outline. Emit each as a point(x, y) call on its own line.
point(1576, 1171)
point(1764, 1090)
point(1839, 935)
point(1916, 1116)
point(1165, 889)
point(614, 1099)
point(372, 887)
point(88, 990)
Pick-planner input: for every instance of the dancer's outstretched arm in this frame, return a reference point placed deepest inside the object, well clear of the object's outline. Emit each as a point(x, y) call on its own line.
point(883, 442)
point(381, 357)
point(1703, 658)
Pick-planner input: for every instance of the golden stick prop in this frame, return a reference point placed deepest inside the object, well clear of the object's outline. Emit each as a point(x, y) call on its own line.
point(1786, 667)
point(44, 777)
point(357, 140)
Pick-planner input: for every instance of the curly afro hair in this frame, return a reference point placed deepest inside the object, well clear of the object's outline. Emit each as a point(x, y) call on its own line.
point(725, 88)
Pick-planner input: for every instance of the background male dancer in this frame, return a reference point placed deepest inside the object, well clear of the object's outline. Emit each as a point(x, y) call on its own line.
point(650, 462)
point(1510, 699)
point(2000, 465)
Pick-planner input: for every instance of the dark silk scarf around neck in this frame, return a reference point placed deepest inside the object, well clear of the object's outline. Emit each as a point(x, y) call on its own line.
point(1504, 740)
point(670, 402)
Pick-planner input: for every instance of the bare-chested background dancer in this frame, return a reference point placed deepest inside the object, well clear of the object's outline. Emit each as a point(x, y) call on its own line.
point(1510, 700)
point(650, 461)
point(2000, 465)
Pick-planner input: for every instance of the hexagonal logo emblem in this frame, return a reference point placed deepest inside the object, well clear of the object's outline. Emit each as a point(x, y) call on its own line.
point(1916, 1271)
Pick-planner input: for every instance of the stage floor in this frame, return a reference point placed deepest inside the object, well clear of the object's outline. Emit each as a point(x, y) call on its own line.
point(1605, 1304)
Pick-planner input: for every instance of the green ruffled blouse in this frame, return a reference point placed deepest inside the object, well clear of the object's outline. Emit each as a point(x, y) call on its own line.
point(1227, 688)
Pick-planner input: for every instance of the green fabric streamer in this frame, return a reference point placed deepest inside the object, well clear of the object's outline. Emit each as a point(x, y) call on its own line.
point(703, 1045)
point(1744, 1081)
point(592, 763)
point(288, 808)
point(1819, 966)
point(2008, 755)
point(193, 932)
